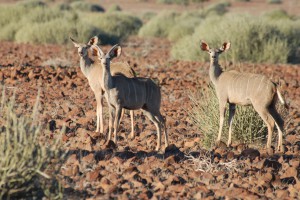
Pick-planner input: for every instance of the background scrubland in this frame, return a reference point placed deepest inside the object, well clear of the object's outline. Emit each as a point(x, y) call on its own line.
point(270, 37)
point(47, 144)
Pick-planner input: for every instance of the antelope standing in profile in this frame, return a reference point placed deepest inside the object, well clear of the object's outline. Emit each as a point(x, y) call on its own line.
point(130, 93)
point(92, 70)
point(244, 89)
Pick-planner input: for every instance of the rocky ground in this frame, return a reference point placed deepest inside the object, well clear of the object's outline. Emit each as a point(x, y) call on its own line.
point(132, 169)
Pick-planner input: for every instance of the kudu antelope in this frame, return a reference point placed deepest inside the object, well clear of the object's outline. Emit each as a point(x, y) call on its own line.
point(92, 70)
point(130, 93)
point(244, 89)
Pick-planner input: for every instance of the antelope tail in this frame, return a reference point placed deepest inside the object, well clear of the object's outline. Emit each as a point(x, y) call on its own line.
point(281, 99)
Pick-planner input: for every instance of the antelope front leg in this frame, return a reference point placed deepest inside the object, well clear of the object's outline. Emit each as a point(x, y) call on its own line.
point(231, 115)
point(99, 112)
point(132, 125)
point(222, 108)
point(111, 110)
point(101, 115)
point(116, 122)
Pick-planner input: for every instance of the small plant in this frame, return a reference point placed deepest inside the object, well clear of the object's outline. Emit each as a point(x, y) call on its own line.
point(248, 127)
point(205, 163)
point(24, 158)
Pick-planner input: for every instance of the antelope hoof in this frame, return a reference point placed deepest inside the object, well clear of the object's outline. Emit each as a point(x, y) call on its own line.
point(157, 148)
point(132, 135)
point(280, 149)
point(229, 144)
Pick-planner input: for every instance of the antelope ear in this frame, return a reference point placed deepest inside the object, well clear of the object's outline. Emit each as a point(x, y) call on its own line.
point(93, 41)
point(115, 51)
point(74, 42)
point(204, 46)
point(96, 51)
point(225, 46)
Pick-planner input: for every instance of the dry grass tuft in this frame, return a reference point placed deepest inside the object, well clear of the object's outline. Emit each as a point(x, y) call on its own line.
point(205, 163)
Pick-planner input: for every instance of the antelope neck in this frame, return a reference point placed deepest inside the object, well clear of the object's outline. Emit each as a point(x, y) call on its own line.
point(215, 70)
point(107, 78)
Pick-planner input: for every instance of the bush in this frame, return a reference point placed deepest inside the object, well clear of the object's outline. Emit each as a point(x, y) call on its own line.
point(11, 14)
point(274, 1)
point(185, 25)
point(55, 31)
point(217, 9)
point(276, 15)
point(114, 8)
point(175, 26)
point(43, 24)
point(253, 39)
point(116, 26)
point(291, 31)
point(180, 2)
point(9, 31)
point(30, 4)
point(86, 7)
point(24, 159)
point(247, 125)
point(159, 26)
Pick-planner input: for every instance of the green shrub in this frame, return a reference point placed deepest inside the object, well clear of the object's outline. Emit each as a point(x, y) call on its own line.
point(9, 31)
point(217, 9)
point(187, 48)
point(247, 125)
point(44, 24)
point(24, 159)
point(274, 1)
point(180, 2)
point(199, 1)
point(40, 15)
point(117, 26)
point(253, 39)
point(55, 31)
point(185, 25)
point(86, 7)
point(29, 4)
point(11, 14)
point(276, 15)
point(159, 26)
point(114, 8)
point(291, 31)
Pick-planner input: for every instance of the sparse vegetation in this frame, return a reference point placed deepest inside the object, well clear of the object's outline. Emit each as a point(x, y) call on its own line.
point(205, 163)
point(24, 158)
point(248, 127)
